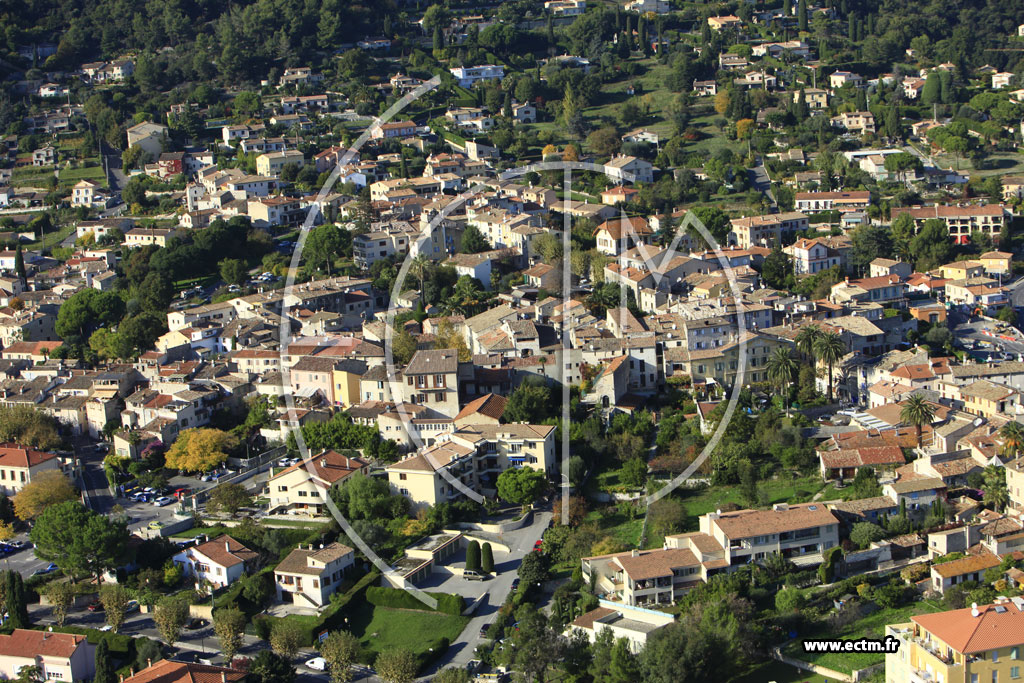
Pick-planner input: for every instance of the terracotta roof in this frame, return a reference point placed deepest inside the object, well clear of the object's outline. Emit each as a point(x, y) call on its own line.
point(297, 561)
point(329, 467)
point(12, 455)
point(226, 551)
point(967, 565)
point(168, 671)
point(488, 405)
point(860, 457)
point(654, 563)
point(618, 227)
point(746, 523)
point(26, 643)
point(587, 620)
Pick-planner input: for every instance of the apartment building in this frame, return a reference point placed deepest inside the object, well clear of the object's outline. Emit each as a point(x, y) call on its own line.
point(977, 644)
point(309, 576)
point(988, 219)
point(619, 235)
point(829, 201)
point(431, 379)
point(270, 164)
point(767, 230)
point(468, 76)
point(18, 465)
point(725, 541)
point(635, 625)
point(394, 240)
point(473, 456)
point(887, 289)
point(812, 256)
point(297, 489)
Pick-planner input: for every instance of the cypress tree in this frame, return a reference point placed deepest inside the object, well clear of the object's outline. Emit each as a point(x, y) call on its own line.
point(486, 558)
point(473, 556)
point(19, 263)
point(802, 14)
point(104, 666)
point(437, 39)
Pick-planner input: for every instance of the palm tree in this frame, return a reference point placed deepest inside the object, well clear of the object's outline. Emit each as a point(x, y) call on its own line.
point(419, 268)
point(995, 487)
point(807, 340)
point(782, 369)
point(830, 348)
point(1013, 438)
point(918, 412)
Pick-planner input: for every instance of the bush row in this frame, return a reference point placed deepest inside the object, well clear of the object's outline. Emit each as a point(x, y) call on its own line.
point(397, 598)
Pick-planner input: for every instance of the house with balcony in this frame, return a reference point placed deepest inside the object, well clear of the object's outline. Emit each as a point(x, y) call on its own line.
point(64, 657)
point(634, 624)
point(812, 256)
point(468, 76)
point(297, 489)
point(980, 643)
point(220, 561)
point(988, 219)
point(766, 230)
point(308, 576)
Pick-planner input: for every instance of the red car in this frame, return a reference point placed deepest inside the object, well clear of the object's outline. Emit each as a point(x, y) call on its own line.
point(95, 607)
point(538, 545)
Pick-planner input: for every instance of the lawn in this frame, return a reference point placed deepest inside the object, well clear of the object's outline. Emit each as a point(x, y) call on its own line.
point(779, 490)
point(384, 628)
point(70, 176)
point(199, 531)
point(773, 670)
point(871, 626)
point(619, 526)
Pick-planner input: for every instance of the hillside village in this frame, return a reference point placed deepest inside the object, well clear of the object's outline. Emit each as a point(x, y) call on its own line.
point(543, 340)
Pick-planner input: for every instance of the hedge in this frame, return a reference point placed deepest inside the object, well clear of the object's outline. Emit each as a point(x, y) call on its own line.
point(121, 645)
point(397, 598)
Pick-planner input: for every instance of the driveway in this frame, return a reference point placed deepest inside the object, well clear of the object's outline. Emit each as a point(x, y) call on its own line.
point(506, 566)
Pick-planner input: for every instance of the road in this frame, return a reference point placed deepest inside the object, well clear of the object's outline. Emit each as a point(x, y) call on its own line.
point(1008, 341)
point(760, 180)
point(520, 542)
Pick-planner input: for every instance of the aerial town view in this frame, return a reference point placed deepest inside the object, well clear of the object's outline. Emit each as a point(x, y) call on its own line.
point(540, 341)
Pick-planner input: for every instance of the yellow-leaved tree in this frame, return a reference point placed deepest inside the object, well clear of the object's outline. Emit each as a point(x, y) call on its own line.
point(448, 337)
point(46, 489)
point(199, 450)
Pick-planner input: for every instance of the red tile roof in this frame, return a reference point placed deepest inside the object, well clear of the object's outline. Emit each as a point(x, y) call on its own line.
point(26, 643)
point(167, 671)
point(13, 455)
point(990, 630)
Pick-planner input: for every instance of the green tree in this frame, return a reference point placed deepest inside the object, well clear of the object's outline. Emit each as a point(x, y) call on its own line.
point(918, 412)
point(802, 15)
point(1012, 434)
point(19, 264)
point(995, 490)
point(533, 569)
point(270, 667)
point(396, 665)
point(114, 597)
point(806, 340)
point(789, 600)
point(830, 349)
point(473, 241)
point(286, 638)
point(15, 600)
point(473, 556)
point(931, 93)
point(521, 485)
point(60, 594)
point(233, 271)
point(228, 498)
point(105, 670)
point(528, 403)
point(777, 269)
point(403, 346)
point(781, 369)
point(79, 540)
point(634, 472)
point(865, 533)
point(322, 246)
point(228, 624)
point(486, 559)
point(341, 650)
point(247, 104)
point(170, 615)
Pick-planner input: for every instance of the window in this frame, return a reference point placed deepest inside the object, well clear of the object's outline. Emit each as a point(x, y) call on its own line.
point(995, 657)
point(438, 380)
point(402, 476)
point(302, 494)
point(1014, 672)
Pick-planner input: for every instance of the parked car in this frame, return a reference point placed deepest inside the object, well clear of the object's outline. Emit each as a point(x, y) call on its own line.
point(317, 664)
point(471, 575)
point(195, 624)
point(539, 545)
point(484, 630)
point(156, 525)
point(48, 569)
point(95, 606)
point(162, 501)
point(515, 583)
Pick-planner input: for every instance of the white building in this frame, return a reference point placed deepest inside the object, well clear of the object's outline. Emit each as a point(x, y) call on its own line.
point(468, 76)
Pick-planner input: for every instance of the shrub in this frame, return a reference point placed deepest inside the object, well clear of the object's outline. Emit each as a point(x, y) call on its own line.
point(486, 558)
point(396, 598)
point(473, 556)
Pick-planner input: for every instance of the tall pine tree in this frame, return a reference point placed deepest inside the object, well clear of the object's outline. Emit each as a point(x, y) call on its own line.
point(19, 264)
point(802, 14)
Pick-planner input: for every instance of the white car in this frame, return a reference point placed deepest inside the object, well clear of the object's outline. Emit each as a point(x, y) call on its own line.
point(317, 664)
point(162, 501)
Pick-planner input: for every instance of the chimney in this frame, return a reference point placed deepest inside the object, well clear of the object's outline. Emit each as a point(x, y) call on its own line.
point(149, 662)
point(223, 677)
point(323, 462)
point(635, 552)
point(974, 610)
